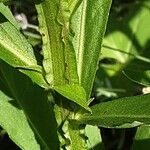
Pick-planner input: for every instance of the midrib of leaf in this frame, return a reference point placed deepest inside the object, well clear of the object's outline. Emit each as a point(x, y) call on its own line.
point(18, 101)
point(52, 43)
point(81, 40)
point(89, 22)
point(118, 112)
point(117, 116)
point(25, 60)
point(59, 55)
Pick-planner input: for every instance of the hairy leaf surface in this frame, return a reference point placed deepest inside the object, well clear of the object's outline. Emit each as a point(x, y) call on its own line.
point(59, 55)
point(121, 113)
point(72, 33)
point(88, 24)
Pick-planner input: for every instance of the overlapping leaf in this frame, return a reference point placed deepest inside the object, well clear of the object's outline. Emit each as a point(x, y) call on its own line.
point(14, 48)
point(32, 102)
point(72, 35)
point(89, 23)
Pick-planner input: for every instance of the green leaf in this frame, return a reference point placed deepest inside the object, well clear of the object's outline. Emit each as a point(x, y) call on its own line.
point(33, 102)
point(142, 138)
point(75, 93)
point(54, 62)
point(59, 54)
point(13, 120)
point(139, 75)
point(126, 34)
point(4, 1)
point(5, 11)
point(127, 41)
point(88, 24)
point(77, 137)
point(122, 113)
point(94, 138)
point(15, 49)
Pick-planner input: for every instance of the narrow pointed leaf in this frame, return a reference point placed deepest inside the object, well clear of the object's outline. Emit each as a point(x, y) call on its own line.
point(15, 49)
point(124, 112)
point(4, 10)
point(88, 24)
point(59, 55)
point(66, 51)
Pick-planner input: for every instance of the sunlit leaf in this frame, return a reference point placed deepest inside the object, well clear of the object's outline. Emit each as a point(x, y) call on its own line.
point(15, 49)
point(121, 113)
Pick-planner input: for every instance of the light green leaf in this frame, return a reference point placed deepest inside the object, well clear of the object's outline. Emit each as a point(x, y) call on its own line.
point(4, 10)
point(59, 55)
point(127, 41)
point(121, 113)
point(15, 49)
point(94, 138)
point(53, 51)
point(88, 24)
point(75, 93)
point(13, 120)
point(33, 102)
point(90, 18)
point(126, 34)
point(142, 138)
point(77, 137)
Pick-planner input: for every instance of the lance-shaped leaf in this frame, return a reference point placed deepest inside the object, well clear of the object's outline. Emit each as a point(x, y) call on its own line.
point(7, 13)
point(33, 102)
point(88, 23)
point(59, 55)
point(124, 112)
point(15, 49)
point(64, 58)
